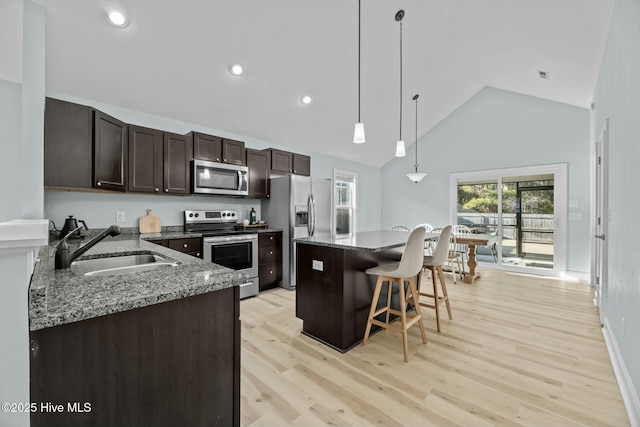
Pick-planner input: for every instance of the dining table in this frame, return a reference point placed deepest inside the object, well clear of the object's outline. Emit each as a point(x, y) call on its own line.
point(472, 241)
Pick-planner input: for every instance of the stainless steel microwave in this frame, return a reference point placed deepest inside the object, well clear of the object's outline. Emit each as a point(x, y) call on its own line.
point(219, 178)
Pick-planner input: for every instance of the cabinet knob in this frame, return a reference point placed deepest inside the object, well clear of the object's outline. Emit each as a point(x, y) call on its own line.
point(157, 189)
point(185, 245)
point(198, 254)
point(99, 184)
point(224, 160)
point(290, 170)
point(270, 252)
point(270, 237)
point(166, 190)
point(217, 159)
point(295, 171)
point(270, 271)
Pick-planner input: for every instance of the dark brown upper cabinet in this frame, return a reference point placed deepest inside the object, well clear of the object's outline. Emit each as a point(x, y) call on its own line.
point(109, 152)
point(146, 160)
point(207, 147)
point(178, 153)
point(258, 164)
point(67, 145)
point(301, 164)
point(217, 149)
point(287, 162)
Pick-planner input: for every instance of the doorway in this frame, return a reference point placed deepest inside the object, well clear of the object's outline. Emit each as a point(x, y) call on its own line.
point(600, 221)
point(525, 207)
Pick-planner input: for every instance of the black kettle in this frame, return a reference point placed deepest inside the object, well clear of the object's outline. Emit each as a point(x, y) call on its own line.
point(71, 224)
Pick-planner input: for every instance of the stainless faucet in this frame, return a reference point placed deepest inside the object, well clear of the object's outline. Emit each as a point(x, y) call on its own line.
point(64, 257)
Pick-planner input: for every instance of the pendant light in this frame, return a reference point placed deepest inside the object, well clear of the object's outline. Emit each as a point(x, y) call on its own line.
point(400, 144)
point(358, 132)
point(416, 176)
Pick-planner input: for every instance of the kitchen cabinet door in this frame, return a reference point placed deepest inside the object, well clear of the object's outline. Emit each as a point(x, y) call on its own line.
point(178, 153)
point(258, 164)
point(145, 160)
point(281, 161)
point(233, 152)
point(67, 145)
point(109, 152)
point(207, 147)
point(301, 164)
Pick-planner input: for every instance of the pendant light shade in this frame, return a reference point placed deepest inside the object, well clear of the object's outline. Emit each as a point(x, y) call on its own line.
point(416, 176)
point(400, 144)
point(358, 132)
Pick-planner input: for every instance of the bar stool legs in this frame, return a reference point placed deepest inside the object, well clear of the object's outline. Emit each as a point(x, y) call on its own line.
point(437, 299)
point(407, 320)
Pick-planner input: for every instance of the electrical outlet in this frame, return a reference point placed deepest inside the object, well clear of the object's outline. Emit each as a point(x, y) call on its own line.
point(120, 216)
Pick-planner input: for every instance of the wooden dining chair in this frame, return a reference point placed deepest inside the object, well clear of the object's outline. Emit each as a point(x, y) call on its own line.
point(428, 245)
point(399, 228)
point(462, 249)
point(453, 260)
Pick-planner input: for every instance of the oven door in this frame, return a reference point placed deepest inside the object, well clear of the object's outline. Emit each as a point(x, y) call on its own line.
point(238, 252)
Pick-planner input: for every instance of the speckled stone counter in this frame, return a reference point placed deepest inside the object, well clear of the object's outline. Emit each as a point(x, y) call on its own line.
point(57, 297)
point(369, 241)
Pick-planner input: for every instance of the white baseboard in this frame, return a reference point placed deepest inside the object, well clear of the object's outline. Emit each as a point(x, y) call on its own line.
point(629, 394)
point(576, 275)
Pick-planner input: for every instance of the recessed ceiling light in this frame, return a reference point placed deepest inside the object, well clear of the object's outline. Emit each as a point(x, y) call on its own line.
point(306, 99)
point(236, 69)
point(117, 18)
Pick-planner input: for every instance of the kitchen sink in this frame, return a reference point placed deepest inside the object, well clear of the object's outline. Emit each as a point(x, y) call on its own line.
point(125, 264)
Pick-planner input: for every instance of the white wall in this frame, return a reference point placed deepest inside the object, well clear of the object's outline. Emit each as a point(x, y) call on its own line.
point(99, 210)
point(494, 129)
point(617, 97)
point(21, 121)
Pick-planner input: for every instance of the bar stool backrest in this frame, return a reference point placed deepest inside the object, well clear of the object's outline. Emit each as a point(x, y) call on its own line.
point(413, 255)
point(442, 247)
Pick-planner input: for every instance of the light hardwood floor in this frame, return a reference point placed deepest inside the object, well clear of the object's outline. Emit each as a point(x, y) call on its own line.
point(520, 350)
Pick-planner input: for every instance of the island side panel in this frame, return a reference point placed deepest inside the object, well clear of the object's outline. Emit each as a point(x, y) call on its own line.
point(334, 303)
point(319, 293)
point(163, 365)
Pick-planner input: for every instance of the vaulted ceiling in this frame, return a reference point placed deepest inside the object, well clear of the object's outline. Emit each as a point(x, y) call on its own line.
point(172, 60)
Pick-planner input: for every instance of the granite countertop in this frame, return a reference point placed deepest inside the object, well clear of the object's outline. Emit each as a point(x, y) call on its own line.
point(369, 241)
point(57, 297)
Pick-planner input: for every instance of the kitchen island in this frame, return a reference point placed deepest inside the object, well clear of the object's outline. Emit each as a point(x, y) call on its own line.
point(333, 293)
point(154, 348)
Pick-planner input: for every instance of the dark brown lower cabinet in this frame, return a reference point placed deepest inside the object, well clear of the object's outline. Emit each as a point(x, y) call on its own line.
point(175, 363)
point(269, 259)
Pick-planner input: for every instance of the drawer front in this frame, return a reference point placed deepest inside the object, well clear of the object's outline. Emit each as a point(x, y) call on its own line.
point(269, 274)
point(193, 244)
point(270, 239)
point(268, 254)
point(197, 254)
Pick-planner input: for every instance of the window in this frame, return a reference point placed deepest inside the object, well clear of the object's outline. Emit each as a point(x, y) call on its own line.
point(344, 201)
point(524, 206)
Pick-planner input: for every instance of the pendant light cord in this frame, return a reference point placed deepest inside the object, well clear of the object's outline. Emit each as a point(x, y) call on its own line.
point(400, 139)
point(359, 31)
point(416, 165)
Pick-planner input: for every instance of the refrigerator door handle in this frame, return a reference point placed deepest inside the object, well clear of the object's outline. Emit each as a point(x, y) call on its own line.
point(311, 206)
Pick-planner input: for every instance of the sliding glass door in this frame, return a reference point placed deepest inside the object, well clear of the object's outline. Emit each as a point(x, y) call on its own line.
point(524, 207)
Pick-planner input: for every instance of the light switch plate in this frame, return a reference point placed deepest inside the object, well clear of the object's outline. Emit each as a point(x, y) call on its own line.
point(317, 265)
point(575, 216)
point(574, 204)
point(120, 217)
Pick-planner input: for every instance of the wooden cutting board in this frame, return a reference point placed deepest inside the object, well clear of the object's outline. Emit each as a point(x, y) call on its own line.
point(149, 223)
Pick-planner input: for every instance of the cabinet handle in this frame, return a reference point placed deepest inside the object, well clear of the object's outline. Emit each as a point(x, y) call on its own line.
point(157, 189)
point(270, 271)
point(217, 159)
point(290, 170)
point(270, 252)
point(185, 245)
point(271, 237)
point(295, 171)
point(99, 184)
point(224, 160)
point(166, 190)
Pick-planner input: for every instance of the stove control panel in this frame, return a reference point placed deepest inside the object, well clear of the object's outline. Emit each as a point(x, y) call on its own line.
point(210, 216)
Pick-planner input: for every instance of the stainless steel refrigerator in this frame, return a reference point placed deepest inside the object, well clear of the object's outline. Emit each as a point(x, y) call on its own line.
point(300, 206)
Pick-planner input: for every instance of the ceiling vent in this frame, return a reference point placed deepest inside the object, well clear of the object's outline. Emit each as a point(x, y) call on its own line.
point(543, 74)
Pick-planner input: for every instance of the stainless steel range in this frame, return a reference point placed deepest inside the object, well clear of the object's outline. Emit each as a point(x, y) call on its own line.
point(223, 244)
